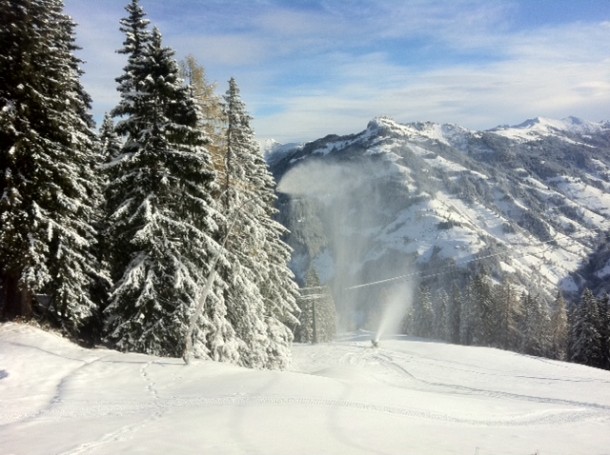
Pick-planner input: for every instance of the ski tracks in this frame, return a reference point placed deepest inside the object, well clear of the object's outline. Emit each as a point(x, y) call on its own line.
point(56, 407)
point(123, 432)
point(578, 410)
point(58, 395)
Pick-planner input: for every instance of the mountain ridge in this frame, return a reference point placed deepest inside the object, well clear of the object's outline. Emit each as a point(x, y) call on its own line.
point(529, 203)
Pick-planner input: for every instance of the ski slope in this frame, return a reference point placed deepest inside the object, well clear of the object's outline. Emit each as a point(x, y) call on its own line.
point(407, 396)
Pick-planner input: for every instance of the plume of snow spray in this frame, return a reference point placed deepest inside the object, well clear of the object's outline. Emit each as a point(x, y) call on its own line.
point(346, 197)
point(397, 302)
point(333, 191)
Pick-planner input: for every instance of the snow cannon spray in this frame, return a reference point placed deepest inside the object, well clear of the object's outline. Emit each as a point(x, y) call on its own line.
point(396, 303)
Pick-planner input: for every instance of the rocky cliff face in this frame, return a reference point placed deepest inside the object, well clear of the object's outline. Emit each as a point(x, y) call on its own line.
point(424, 203)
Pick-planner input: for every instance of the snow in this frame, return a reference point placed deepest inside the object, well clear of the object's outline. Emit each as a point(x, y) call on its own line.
point(274, 151)
point(407, 396)
point(604, 272)
point(540, 126)
point(447, 134)
point(586, 196)
point(439, 162)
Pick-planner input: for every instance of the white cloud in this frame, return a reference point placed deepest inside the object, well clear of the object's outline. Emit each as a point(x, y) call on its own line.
point(553, 72)
point(329, 68)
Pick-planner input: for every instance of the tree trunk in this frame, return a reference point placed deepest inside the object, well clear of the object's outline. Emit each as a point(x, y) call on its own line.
point(15, 302)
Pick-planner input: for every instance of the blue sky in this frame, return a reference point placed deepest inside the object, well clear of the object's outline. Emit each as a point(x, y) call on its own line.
point(314, 67)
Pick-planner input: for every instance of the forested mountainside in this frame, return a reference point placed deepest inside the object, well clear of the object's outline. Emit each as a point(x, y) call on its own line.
point(432, 205)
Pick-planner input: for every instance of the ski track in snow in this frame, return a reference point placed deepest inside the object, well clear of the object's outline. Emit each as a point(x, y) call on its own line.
point(58, 395)
point(159, 405)
point(580, 410)
point(596, 409)
point(548, 417)
point(353, 372)
point(158, 410)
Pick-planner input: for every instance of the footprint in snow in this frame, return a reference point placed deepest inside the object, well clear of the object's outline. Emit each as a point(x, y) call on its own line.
point(3, 374)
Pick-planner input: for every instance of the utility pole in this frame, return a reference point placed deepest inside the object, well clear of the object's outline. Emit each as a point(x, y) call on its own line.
point(313, 316)
point(313, 294)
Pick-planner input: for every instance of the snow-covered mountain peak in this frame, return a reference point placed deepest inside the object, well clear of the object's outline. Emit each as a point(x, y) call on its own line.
point(538, 127)
point(272, 150)
point(417, 131)
point(268, 145)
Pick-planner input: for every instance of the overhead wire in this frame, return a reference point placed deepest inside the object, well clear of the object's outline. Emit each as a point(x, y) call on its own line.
point(454, 267)
point(450, 269)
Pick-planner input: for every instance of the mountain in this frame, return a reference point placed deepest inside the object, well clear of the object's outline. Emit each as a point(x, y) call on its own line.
point(272, 150)
point(425, 203)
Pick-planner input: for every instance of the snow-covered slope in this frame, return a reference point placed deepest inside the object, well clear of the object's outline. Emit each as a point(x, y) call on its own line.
point(407, 396)
point(273, 150)
point(540, 127)
point(530, 202)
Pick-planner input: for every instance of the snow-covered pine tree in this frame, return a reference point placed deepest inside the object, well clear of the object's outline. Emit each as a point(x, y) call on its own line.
point(468, 317)
point(317, 317)
point(262, 292)
point(453, 315)
point(48, 184)
point(585, 345)
point(506, 314)
point(137, 39)
point(327, 316)
point(441, 306)
point(109, 148)
point(163, 219)
point(535, 337)
point(604, 330)
point(423, 314)
point(304, 332)
point(109, 141)
point(482, 304)
point(559, 327)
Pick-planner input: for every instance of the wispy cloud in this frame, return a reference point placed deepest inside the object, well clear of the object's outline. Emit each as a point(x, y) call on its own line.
point(309, 68)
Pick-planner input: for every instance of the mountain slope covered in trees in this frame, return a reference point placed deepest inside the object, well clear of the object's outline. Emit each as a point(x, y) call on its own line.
point(494, 227)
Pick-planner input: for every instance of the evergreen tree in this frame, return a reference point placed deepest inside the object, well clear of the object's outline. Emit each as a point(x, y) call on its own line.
point(506, 314)
point(317, 317)
point(604, 330)
point(585, 344)
point(109, 145)
point(559, 328)
point(306, 330)
point(162, 217)
point(262, 296)
point(327, 316)
point(137, 39)
point(482, 311)
point(536, 334)
point(109, 142)
point(423, 314)
point(48, 184)
point(468, 317)
point(454, 312)
point(441, 316)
